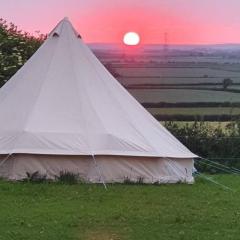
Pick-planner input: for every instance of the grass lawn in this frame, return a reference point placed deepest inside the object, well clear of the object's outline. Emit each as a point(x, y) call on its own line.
point(54, 211)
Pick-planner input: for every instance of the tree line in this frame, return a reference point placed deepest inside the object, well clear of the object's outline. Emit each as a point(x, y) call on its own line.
point(16, 47)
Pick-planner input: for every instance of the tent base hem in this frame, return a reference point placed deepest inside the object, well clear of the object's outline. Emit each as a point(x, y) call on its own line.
point(110, 169)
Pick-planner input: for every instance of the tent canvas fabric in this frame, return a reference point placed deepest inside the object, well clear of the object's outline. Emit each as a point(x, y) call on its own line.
point(63, 107)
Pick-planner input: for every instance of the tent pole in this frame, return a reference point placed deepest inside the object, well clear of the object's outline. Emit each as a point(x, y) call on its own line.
point(99, 171)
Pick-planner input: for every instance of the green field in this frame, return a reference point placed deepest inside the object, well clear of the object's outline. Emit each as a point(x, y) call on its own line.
point(176, 71)
point(174, 74)
point(180, 95)
point(183, 82)
point(235, 87)
point(54, 211)
point(195, 111)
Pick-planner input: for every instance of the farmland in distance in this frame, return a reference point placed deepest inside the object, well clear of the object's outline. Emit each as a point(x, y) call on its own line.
point(184, 83)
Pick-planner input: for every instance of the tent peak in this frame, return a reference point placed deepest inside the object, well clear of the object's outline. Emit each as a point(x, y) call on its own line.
point(65, 22)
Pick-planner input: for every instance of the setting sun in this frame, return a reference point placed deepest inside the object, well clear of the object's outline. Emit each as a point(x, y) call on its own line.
point(131, 38)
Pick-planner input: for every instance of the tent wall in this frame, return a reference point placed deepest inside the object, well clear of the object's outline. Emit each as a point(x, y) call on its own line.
point(112, 168)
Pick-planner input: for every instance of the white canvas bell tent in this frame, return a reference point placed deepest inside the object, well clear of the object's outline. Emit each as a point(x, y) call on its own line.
point(63, 111)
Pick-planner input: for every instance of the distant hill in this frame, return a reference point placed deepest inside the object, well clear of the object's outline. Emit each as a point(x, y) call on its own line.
point(191, 47)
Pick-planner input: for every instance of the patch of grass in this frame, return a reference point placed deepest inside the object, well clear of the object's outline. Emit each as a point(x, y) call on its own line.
point(35, 177)
point(128, 181)
point(55, 211)
point(68, 178)
point(102, 234)
point(140, 180)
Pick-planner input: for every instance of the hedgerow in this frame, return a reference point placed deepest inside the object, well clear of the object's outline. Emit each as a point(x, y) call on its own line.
point(215, 143)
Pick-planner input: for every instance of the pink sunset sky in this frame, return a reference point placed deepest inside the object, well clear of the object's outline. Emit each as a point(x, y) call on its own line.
point(185, 21)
